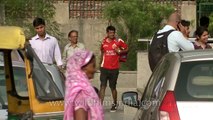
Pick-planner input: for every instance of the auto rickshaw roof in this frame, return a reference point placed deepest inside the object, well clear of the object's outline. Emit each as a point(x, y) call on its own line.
point(11, 37)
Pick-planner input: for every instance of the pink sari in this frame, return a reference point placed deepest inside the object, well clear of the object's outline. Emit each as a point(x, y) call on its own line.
point(79, 92)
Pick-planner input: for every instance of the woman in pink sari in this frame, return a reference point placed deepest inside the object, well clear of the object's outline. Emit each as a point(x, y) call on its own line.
point(81, 100)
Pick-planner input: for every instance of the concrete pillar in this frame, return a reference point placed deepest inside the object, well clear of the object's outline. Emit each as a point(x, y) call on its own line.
point(143, 74)
point(143, 70)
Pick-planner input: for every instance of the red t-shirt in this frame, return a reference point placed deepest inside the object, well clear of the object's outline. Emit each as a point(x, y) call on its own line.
point(110, 57)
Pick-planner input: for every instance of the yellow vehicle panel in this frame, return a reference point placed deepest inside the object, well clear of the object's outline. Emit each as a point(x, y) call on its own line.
point(11, 37)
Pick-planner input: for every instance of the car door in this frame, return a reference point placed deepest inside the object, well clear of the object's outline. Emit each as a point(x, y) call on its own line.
point(13, 87)
point(150, 100)
point(46, 98)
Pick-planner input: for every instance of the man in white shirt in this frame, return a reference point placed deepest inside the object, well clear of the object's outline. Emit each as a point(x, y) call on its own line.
point(45, 46)
point(176, 40)
point(71, 47)
point(169, 39)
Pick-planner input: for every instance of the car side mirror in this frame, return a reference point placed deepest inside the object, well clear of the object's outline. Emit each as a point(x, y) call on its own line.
point(131, 99)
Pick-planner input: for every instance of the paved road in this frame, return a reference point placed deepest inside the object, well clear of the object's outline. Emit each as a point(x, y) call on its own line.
point(118, 115)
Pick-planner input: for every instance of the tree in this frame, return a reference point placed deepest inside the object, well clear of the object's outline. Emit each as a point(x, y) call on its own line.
point(22, 12)
point(136, 19)
point(210, 28)
point(205, 11)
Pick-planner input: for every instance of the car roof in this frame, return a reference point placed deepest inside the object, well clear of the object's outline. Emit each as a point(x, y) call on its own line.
point(193, 55)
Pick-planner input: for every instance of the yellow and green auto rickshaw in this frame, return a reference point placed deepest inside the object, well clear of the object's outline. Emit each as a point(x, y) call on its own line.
point(29, 89)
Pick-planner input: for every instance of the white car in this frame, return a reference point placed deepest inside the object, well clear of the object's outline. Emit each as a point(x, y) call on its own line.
point(180, 88)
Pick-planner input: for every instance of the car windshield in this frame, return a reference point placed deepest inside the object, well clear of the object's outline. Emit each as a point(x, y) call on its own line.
point(195, 81)
point(45, 87)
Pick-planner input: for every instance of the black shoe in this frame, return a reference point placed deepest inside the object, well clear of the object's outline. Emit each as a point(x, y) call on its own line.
point(114, 107)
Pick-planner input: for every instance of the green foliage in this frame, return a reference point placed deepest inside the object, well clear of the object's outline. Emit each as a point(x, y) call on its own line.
point(199, 1)
point(22, 12)
point(136, 19)
point(210, 28)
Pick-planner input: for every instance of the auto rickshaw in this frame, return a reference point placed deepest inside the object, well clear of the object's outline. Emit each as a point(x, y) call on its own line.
point(36, 95)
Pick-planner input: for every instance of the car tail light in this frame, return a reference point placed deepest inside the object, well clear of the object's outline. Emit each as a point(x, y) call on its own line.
point(168, 108)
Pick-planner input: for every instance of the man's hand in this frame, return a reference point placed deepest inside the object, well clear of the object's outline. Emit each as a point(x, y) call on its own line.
point(61, 68)
point(118, 50)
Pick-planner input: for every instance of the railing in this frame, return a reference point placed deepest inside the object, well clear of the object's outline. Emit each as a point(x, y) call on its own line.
point(94, 8)
point(86, 8)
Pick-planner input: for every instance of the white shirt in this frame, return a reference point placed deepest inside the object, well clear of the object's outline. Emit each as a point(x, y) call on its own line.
point(47, 50)
point(176, 40)
point(69, 51)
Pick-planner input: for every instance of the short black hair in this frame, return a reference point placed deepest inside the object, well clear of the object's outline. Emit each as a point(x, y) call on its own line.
point(72, 32)
point(38, 21)
point(204, 21)
point(110, 28)
point(200, 30)
point(185, 23)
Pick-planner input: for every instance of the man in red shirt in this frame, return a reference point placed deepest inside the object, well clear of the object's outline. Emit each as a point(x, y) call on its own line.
point(111, 48)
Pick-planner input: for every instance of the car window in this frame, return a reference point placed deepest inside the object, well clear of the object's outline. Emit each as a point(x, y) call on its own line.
point(3, 94)
point(19, 76)
point(19, 73)
point(155, 82)
point(20, 84)
point(16, 55)
point(20, 81)
point(157, 88)
point(195, 81)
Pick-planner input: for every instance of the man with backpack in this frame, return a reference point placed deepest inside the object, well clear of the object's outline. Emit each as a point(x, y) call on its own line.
point(168, 40)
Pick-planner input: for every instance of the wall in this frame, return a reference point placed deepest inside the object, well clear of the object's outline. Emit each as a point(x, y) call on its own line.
point(91, 31)
point(188, 12)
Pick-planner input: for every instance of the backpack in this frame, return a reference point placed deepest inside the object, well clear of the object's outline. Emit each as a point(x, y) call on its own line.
point(158, 48)
point(123, 56)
